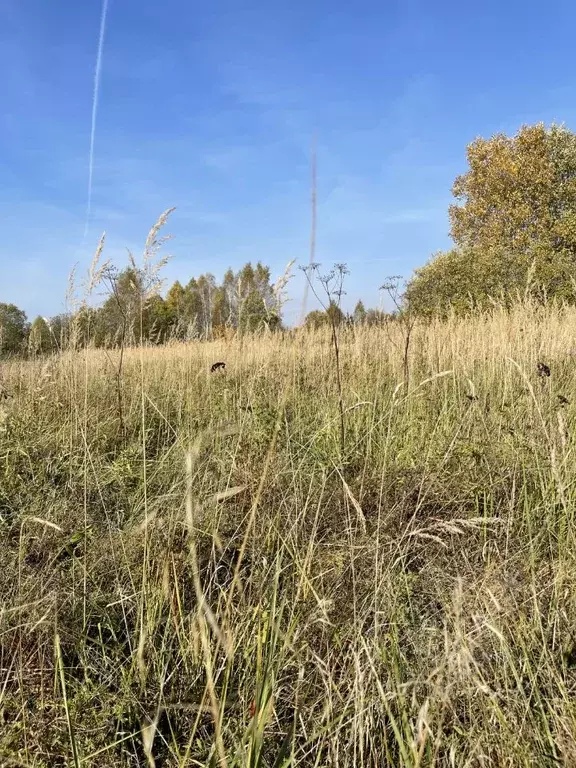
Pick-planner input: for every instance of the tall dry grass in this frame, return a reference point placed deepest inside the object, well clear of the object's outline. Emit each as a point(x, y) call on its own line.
point(215, 584)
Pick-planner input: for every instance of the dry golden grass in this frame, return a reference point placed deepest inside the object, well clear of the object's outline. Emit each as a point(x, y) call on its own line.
point(211, 582)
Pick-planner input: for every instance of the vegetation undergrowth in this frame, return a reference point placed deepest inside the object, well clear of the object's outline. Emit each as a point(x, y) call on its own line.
point(187, 584)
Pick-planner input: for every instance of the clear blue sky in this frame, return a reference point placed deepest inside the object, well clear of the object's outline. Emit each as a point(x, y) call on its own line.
point(211, 107)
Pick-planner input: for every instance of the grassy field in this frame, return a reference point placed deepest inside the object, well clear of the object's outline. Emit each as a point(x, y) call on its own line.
point(194, 574)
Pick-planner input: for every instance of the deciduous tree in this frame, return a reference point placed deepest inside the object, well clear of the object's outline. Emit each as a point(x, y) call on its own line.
point(519, 192)
point(359, 313)
point(40, 341)
point(514, 226)
point(13, 329)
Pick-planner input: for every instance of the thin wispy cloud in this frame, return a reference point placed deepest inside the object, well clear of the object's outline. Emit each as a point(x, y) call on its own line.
point(97, 75)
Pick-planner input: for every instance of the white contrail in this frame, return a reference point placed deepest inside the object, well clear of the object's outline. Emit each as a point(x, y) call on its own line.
point(314, 200)
point(95, 111)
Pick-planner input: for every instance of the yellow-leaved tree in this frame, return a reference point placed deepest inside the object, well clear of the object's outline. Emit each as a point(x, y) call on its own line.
point(514, 224)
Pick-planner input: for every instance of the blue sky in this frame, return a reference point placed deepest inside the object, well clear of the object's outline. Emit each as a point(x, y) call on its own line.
point(211, 107)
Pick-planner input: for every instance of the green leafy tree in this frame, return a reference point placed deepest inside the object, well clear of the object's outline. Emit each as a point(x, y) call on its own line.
point(220, 310)
point(257, 306)
point(462, 280)
point(13, 329)
point(359, 315)
point(318, 318)
point(443, 285)
point(119, 319)
point(133, 312)
point(40, 341)
point(185, 307)
point(84, 328)
point(246, 280)
point(469, 279)
point(157, 320)
point(175, 309)
point(335, 314)
point(253, 314)
point(514, 226)
point(246, 300)
point(59, 327)
point(315, 319)
point(193, 315)
point(175, 298)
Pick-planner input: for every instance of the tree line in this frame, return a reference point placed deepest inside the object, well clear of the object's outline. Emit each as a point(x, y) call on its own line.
point(132, 313)
point(202, 309)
